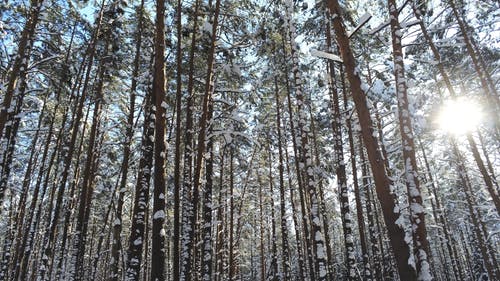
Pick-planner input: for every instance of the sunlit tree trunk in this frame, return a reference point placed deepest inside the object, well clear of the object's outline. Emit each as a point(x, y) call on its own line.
point(417, 213)
point(383, 183)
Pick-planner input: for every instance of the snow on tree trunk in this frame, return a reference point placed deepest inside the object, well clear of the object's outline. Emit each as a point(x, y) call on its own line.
point(20, 66)
point(383, 183)
point(306, 159)
point(158, 256)
point(86, 193)
point(284, 232)
point(417, 212)
point(141, 198)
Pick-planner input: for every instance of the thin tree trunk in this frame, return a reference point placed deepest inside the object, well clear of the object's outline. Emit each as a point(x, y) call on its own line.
point(306, 159)
point(285, 263)
point(473, 215)
point(274, 251)
point(117, 223)
point(231, 260)
point(219, 247)
point(263, 270)
point(207, 211)
point(482, 169)
point(20, 65)
point(21, 216)
point(482, 73)
point(298, 236)
point(177, 156)
point(440, 218)
point(48, 243)
point(209, 88)
point(20, 255)
point(7, 242)
point(184, 262)
point(87, 189)
point(371, 214)
point(341, 176)
point(141, 198)
point(472, 144)
point(304, 211)
point(160, 154)
point(367, 271)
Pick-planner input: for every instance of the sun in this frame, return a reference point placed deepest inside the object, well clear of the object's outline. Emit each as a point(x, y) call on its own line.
point(459, 116)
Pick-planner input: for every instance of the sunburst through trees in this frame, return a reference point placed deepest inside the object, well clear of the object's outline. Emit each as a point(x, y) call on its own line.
point(249, 140)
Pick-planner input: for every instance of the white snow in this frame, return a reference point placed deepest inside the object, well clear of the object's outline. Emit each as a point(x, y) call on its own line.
point(138, 241)
point(159, 215)
point(325, 55)
point(207, 27)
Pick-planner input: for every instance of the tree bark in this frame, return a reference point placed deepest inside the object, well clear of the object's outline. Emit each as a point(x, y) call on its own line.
point(20, 65)
point(285, 263)
point(87, 188)
point(158, 265)
point(138, 236)
point(129, 131)
point(472, 143)
point(383, 183)
point(306, 164)
point(417, 212)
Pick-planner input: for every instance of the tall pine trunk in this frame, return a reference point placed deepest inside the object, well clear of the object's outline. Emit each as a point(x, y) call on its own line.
point(138, 232)
point(129, 131)
point(158, 262)
point(383, 183)
point(417, 212)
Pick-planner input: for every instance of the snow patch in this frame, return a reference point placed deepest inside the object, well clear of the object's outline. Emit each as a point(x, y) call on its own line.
point(159, 215)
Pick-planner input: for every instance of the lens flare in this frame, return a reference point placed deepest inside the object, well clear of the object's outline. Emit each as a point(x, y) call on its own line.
point(459, 116)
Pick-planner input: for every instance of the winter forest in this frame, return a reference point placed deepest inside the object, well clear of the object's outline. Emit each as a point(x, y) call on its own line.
point(249, 140)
